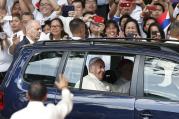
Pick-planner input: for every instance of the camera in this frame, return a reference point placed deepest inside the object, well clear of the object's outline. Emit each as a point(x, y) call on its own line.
point(131, 35)
point(154, 33)
point(125, 4)
point(151, 7)
point(98, 19)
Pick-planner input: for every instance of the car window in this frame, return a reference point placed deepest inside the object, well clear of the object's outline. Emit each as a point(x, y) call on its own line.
point(161, 78)
point(74, 67)
point(43, 66)
point(114, 76)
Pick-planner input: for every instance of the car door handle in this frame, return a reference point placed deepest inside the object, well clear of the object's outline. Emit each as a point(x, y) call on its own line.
point(146, 116)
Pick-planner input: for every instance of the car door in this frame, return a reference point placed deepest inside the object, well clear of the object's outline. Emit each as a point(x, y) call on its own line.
point(44, 66)
point(95, 104)
point(40, 65)
point(158, 89)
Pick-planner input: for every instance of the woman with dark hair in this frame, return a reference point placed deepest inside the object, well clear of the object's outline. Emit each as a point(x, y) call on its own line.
point(111, 29)
point(46, 27)
point(123, 20)
point(146, 23)
point(155, 32)
point(131, 29)
point(5, 58)
point(57, 29)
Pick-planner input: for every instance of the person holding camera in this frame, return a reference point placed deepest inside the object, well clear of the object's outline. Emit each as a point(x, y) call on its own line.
point(155, 33)
point(96, 27)
point(5, 58)
point(131, 30)
point(121, 7)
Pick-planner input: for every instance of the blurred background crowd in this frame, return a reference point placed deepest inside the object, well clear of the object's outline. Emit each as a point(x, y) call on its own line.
point(80, 19)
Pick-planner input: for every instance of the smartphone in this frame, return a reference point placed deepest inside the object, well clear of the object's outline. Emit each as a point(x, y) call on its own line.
point(66, 9)
point(98, 19)
point(152, 7)
point(125, 4)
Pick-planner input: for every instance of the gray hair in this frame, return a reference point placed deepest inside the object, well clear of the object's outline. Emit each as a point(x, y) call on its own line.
point(94, 60)
point(30, 25)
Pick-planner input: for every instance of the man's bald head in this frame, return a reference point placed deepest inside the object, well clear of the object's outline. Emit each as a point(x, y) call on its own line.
point(33, 29)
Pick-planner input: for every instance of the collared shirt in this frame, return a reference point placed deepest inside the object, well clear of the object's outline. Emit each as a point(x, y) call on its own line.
point(31, 41)
point(37, 110)
point(91, 82)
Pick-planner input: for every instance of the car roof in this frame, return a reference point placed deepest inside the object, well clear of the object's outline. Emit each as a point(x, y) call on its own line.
point(113, 42)
point(101, 43)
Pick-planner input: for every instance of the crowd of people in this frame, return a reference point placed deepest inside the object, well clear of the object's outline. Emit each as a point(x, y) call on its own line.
point(28, 21)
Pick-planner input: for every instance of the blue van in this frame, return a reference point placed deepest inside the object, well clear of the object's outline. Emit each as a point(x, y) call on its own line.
point(153, 89)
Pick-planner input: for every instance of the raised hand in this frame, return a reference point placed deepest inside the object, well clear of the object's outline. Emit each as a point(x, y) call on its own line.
point(62, 82)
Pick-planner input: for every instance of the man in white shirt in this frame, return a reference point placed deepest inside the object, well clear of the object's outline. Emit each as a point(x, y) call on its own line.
point(128, 7)
point(77, 13)
point(47, 9)
point(37, 94)
point(77, 28)
point(93, 81)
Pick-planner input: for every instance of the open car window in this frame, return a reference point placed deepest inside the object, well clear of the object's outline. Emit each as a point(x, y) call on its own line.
point(43, 66)
point(74, 67)
point(117, 68)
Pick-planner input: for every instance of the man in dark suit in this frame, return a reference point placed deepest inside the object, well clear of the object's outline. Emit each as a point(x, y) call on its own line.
point(33, 31)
